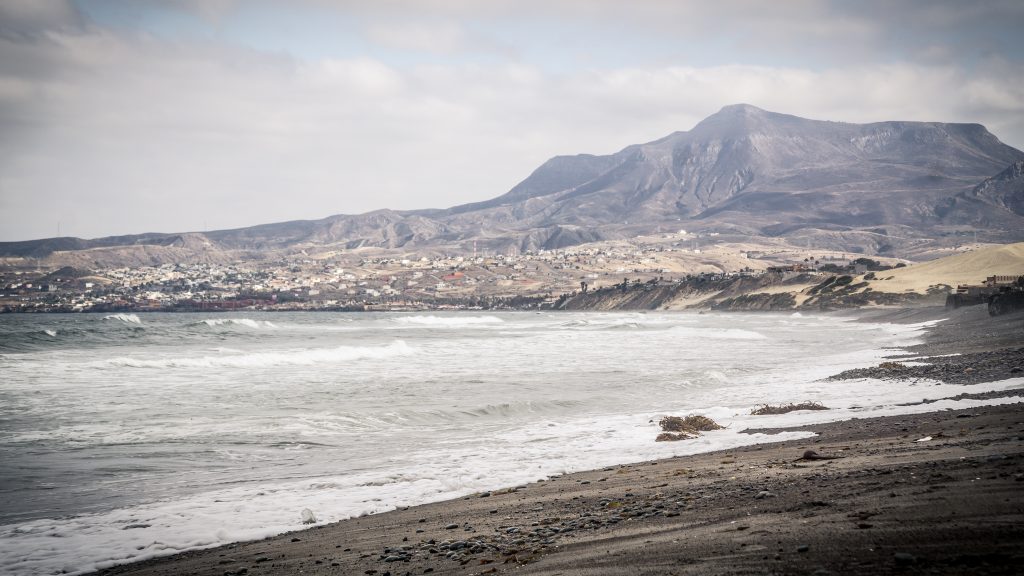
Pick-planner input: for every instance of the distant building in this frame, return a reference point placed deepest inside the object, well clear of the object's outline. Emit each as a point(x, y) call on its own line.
point(993, 281)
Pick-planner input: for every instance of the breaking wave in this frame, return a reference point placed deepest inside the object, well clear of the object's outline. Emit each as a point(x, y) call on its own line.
point(247, 322)
point(720, 334)
point(507, 410)
point(601, 324)
point(126, 318)
point(448, 322)
point(303, 357)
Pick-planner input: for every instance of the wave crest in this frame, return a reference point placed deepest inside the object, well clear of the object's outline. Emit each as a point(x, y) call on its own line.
point(305, 357)
point(247, 322)
point(448, 321)
point(126, 318)
point(720, 333)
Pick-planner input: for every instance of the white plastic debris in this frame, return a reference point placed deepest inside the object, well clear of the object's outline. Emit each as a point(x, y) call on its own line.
point(925, 439)
point(308, 517)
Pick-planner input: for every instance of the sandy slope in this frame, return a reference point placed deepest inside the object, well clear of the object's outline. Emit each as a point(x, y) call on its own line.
point(967, 268)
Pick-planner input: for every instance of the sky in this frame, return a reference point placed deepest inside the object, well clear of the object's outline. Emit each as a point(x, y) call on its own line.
point(131, 116)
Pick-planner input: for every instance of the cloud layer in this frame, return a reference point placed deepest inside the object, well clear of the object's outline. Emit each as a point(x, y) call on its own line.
point(110, 129)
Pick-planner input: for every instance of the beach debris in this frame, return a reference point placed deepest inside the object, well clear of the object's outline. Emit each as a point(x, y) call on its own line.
point(308, 517)
point(925, 439)
point(812, 455)
point(677, 428)
point(670, 437)
point(692, 423)
point(768, 409)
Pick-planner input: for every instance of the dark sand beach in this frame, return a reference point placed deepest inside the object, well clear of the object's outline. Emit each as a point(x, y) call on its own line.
point(931, 493)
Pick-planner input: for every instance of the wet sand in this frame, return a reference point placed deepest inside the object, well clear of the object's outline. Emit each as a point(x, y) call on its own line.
point(887, 504)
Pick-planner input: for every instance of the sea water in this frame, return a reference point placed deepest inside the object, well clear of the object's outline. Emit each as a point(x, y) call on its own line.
point(128, 436)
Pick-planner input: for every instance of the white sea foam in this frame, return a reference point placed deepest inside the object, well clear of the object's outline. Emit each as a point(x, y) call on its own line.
point(620, 320)
point(359, 424)
point(718, 333)
point(298, 357)
point(247, 322)
point(602, 324)
point(448, 321)
point(86, 543)
point(126, 318)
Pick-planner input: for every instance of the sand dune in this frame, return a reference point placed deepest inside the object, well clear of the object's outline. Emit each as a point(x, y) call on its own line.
point(967, 268)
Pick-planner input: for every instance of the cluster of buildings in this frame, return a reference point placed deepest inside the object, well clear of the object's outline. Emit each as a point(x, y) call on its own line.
point(350, 281)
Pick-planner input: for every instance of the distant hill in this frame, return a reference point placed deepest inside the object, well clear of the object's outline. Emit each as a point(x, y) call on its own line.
point(869, 188)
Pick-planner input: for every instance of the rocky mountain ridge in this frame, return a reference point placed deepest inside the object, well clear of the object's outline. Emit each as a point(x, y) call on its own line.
point(868, 188)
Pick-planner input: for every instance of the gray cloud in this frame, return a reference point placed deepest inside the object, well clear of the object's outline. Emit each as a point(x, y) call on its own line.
point(27, 18)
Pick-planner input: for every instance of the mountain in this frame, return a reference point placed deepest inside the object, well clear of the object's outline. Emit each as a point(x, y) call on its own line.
point(742, 171)
point(763, 173)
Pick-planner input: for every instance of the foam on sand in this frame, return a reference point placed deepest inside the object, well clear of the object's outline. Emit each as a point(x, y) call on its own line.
point(267, 423)
point(86, 543)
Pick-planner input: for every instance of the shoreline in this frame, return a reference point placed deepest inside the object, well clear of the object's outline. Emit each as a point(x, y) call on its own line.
point(890, 504)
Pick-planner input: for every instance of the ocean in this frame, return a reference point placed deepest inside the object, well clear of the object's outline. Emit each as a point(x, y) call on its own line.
point(128, 436)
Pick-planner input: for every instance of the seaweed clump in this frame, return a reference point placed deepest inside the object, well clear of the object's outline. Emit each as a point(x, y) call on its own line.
point(768, 409)
point(677, 428)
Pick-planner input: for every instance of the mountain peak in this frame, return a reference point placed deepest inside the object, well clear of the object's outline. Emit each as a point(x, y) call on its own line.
point(740, 119)
point(741, 108)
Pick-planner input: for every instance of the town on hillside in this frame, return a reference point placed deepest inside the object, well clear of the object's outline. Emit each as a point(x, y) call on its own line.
point(360, 280)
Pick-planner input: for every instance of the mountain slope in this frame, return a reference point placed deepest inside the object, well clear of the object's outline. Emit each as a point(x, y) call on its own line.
point(743, 170)
point(751, 168)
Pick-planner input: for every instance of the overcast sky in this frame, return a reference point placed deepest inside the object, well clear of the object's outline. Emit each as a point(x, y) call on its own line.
point(121, 117)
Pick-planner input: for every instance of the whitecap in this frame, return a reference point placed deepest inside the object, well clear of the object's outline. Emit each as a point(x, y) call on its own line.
point(448, 321)
point(300, 357)
point(719, 333)
point(126, 318)
point(247, 322)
